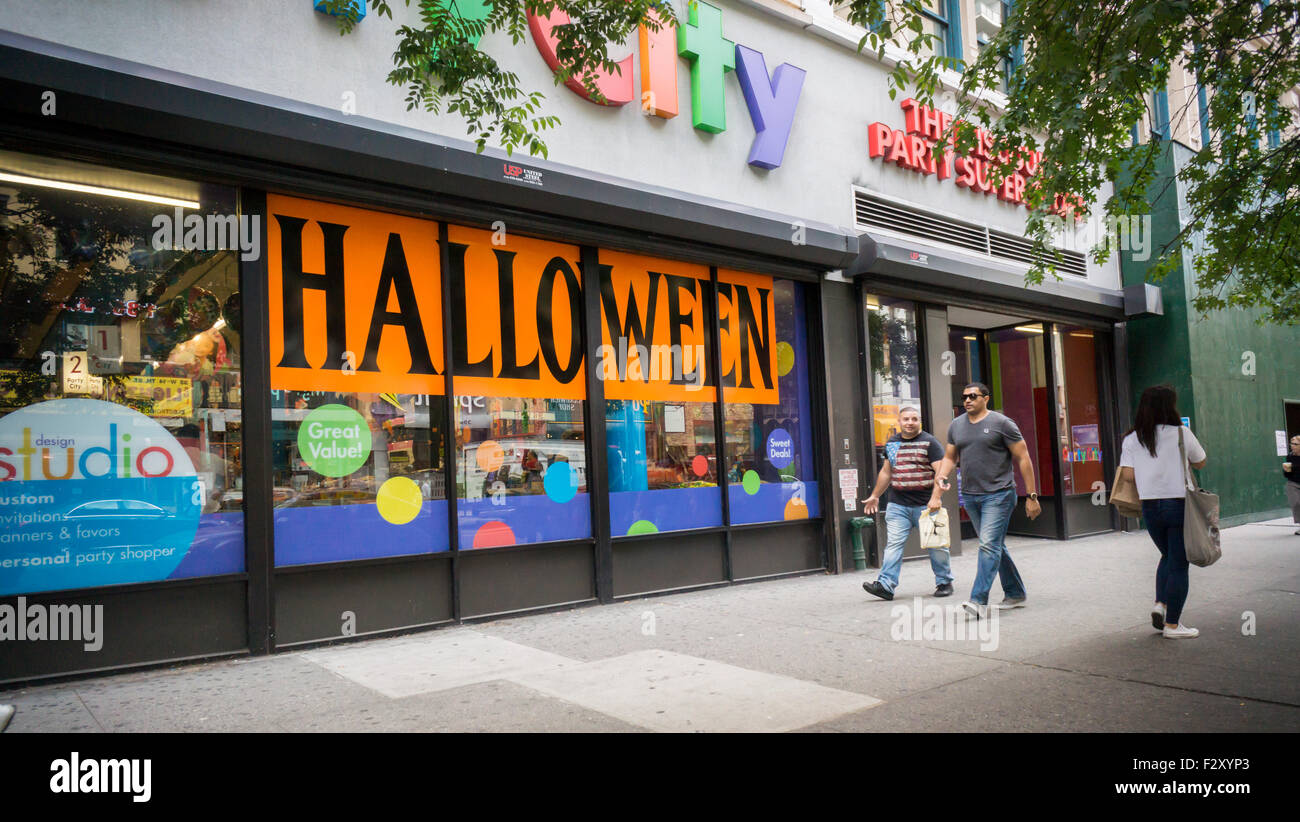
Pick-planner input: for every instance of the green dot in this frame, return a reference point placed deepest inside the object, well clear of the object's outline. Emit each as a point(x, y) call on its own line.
point(642, 526)
point(334, 440)
point(750, 482)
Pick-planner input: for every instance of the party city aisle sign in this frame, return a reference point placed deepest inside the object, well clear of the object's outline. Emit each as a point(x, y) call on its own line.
point(770, 99)
point(355, 306)
point(91, 493)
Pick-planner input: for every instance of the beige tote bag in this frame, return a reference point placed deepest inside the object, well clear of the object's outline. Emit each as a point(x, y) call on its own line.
point(1200, 518)
point(934, 530)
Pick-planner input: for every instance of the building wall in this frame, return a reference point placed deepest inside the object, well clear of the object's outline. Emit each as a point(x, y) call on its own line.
point(1232, 374)
point(242, 43)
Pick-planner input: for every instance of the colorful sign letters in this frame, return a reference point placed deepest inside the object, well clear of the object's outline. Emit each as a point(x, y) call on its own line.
point(771, 100)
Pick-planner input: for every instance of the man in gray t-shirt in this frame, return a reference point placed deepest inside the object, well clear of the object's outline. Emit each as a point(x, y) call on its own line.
point(985, 443)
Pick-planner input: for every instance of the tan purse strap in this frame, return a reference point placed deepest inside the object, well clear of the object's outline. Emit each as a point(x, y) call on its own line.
point(1182, 453)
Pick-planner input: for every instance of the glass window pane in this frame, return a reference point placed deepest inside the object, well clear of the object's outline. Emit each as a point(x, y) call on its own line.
point(1078, 397)
point(659, 413)
point(771, 473)
point(521, 471)
point(358, 421)
point(895, 366)
point(521, 459)
point(362, 463)
point(120, 447)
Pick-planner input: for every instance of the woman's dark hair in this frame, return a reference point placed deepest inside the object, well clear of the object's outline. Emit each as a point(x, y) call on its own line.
point(1158, 406)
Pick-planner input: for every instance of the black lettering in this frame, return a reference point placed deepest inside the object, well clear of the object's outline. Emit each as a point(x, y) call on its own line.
point(752, 329)
point(546, 320)
point(395, 276)
point(628, 327)
point(676, 319)
point(724, 325)
point(510, 368)
point(293, 281)
point(461, 365)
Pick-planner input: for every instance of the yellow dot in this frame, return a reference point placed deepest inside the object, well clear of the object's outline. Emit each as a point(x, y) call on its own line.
point(399, 500)
point(784, 358)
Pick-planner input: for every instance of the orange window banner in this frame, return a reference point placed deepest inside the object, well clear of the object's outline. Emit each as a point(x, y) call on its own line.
point(356, 306)
point(655, 332)
point(355, 299)
point(520, 300)
point(747, 337)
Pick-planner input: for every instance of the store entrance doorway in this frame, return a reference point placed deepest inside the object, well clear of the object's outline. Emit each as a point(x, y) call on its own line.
point(1009, 355)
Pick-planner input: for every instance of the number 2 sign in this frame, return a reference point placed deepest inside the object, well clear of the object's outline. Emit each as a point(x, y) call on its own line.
point(77, 378)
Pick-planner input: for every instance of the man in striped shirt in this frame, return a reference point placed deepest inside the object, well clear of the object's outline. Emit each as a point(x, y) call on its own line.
point(913, 457)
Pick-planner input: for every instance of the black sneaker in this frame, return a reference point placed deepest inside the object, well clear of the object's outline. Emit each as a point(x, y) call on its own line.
point(876, 589)
point(944, 590)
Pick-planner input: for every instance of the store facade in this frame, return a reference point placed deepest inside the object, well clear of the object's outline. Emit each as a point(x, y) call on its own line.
point(277, 373)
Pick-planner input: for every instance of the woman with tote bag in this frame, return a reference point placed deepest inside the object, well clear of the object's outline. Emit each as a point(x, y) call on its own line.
point(1152, 458)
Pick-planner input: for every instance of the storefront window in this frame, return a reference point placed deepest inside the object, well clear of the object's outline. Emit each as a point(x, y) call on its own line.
point(120, 385)
point(771, 475)
point(521, 458)
point(659, 410)
point(1077, 397)
point(358, 427)
point(895, 366)
point(357, 464)
point(521, 462)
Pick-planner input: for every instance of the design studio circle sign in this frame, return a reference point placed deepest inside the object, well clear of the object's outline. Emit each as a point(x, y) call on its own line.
point(334, 440)
point(92, 493)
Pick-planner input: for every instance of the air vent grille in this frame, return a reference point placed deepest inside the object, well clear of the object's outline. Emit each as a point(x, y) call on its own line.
point(881, 213)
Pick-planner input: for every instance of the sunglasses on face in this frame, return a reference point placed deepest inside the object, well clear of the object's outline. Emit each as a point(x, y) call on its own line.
point(971, 396)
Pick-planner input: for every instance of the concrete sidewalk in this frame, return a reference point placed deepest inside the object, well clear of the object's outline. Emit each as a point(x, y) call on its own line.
point(812, 653)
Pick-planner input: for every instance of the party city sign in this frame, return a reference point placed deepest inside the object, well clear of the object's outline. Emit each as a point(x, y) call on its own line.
point(916, 148)
point(771, 100)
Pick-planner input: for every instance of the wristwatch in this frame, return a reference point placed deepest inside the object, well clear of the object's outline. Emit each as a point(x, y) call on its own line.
point(1033, 496)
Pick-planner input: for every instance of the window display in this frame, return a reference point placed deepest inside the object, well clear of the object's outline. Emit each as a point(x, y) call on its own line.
point(120, 383)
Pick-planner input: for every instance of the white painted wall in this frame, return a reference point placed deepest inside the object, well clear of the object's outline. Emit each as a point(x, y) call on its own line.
point(284, 48)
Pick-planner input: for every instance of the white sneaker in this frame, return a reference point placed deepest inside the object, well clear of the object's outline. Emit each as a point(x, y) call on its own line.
point(1158, 616)
point(976, 610)
point(1008, 603)
point(1181, 632)
point(6, 714)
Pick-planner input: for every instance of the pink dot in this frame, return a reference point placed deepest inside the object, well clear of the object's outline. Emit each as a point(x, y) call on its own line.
point(494, 534)
point(700, 465)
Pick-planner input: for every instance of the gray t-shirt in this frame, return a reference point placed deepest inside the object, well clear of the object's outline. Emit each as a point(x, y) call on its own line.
point(984, 451)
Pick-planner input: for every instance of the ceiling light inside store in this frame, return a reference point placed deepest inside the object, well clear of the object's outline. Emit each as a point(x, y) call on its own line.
point(1087, 334)
point(1029, 329)
point(22, 179)
point(972, 339)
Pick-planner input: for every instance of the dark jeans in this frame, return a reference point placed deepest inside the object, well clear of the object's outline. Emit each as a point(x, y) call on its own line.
point(1164, 518)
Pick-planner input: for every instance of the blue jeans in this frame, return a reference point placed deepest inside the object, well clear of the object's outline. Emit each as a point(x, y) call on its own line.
point(1164, 519)
point(899, 522)
point(991, 514)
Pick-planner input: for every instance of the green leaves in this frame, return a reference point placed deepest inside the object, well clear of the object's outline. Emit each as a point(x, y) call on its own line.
point(1088, 70)
point(445, 62)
